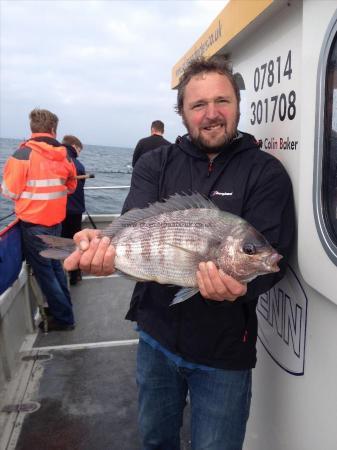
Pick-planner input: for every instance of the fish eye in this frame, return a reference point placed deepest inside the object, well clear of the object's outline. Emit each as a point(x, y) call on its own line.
point(249, 249)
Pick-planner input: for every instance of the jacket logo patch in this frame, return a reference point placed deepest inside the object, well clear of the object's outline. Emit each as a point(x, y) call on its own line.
point(222, 194)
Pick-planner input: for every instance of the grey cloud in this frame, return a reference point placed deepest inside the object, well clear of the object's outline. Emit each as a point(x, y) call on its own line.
point(103, 66)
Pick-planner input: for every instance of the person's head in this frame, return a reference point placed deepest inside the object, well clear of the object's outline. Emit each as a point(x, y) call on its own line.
point(43, 121)
point(208, 100)
point(73, 141)
point(157, 127)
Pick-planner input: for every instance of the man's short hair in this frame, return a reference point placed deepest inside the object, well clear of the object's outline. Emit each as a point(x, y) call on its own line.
point(43, 121)
point(158, 125)
point(72, 140)
point(217, 63)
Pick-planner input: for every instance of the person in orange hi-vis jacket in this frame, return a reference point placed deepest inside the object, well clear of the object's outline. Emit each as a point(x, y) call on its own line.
point(38, 177)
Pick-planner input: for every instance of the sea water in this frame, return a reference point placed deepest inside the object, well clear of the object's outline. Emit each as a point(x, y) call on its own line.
point(110, 165)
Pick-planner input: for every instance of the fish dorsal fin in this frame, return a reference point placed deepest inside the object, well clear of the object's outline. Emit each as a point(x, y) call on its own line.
point(176, 202)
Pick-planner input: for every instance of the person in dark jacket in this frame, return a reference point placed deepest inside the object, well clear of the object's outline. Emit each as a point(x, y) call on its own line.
point(76, 201)
point(151, 142)
point(206, 345)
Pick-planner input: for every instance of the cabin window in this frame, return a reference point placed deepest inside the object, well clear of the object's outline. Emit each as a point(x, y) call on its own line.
point(325, 166)
point(329, 163)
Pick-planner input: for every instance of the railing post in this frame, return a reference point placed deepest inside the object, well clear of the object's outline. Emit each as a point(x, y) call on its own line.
point(28, 311)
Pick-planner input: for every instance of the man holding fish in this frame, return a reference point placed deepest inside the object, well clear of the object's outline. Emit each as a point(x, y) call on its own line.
point(205, 345)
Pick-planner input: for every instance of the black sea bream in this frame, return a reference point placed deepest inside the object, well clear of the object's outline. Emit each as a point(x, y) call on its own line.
point(166, 241)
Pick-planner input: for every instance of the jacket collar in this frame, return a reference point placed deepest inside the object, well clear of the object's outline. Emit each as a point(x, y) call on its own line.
point(45, 137)
point(71, 151)
point(241, 142)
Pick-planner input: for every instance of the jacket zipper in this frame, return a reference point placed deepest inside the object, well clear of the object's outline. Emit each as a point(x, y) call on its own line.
point(245, 336)
point(210, 167)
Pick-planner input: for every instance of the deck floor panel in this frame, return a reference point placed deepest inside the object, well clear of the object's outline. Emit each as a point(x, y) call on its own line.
point(100, 306)
point(87, 390)
point(88, 401)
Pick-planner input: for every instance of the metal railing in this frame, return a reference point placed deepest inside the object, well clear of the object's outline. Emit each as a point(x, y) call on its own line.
point(4, 221)
point(105, 187)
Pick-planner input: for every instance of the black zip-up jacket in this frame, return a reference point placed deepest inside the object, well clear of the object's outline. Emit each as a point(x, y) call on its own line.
point(245, 181)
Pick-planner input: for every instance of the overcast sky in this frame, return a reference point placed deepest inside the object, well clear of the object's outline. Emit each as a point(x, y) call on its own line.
point(104, 67)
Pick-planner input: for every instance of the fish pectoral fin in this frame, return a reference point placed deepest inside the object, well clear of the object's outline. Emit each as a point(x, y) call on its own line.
point(184, 294)
point(182, 248)
point(194, 256)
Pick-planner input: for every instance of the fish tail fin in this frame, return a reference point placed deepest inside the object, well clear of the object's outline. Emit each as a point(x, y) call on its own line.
point(184, 294)
point(57, 247)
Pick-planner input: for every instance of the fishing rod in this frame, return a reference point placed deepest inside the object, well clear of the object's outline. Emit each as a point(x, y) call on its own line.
point(91, 220)
point(6, 217)
point(84, 177)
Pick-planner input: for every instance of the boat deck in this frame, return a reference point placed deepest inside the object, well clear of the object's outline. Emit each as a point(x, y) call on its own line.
point(79, 385)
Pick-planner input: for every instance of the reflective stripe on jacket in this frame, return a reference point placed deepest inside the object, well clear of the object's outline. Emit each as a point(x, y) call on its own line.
point(38, 177)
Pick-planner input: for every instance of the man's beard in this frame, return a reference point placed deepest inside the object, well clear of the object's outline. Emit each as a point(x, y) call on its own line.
point(202, 144)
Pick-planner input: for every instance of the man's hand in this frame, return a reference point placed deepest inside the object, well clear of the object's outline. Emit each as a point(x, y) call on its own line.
point(214, 284)
point(94, 254)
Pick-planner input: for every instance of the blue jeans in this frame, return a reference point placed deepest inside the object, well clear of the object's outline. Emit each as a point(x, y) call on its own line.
point(48, 272)
point(220, 402)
